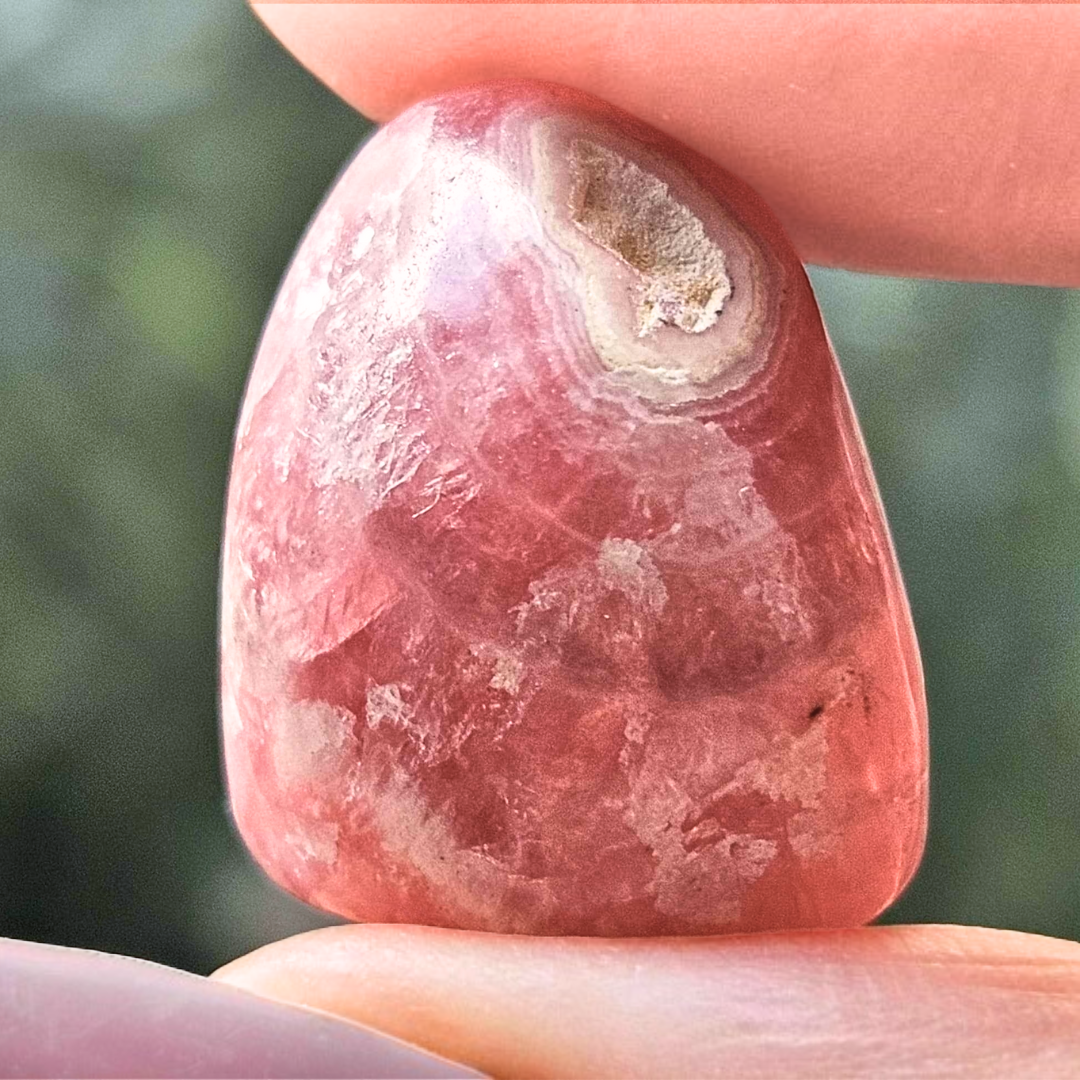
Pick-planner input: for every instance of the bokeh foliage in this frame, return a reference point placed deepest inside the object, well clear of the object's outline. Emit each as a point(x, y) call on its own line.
point(157, 166)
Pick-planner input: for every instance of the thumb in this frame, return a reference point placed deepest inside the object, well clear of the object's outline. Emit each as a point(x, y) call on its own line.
point(899, 1001)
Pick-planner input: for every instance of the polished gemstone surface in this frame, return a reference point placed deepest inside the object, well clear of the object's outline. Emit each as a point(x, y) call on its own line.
point(557, 595)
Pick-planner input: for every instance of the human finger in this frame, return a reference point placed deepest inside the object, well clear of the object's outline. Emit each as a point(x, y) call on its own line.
point(922, 141)
point(900, 1001)
point(72, 1012)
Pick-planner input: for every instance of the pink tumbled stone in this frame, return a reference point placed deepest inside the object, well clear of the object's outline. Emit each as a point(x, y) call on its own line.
point(557, 593)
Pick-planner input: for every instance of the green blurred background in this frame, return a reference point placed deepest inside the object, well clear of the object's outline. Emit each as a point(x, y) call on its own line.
point(158, 163)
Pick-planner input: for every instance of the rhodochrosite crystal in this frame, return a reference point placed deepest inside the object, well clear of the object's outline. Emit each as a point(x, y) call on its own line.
point(557, 593)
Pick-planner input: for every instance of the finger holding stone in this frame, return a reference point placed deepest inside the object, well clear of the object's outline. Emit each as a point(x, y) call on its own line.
point(909, 139)
point(897, 1001)
point(71, 1012)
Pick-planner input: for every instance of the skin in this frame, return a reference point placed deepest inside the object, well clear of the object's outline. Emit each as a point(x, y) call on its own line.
point(75, 1012)
point(910, 141)
point(926, 141)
